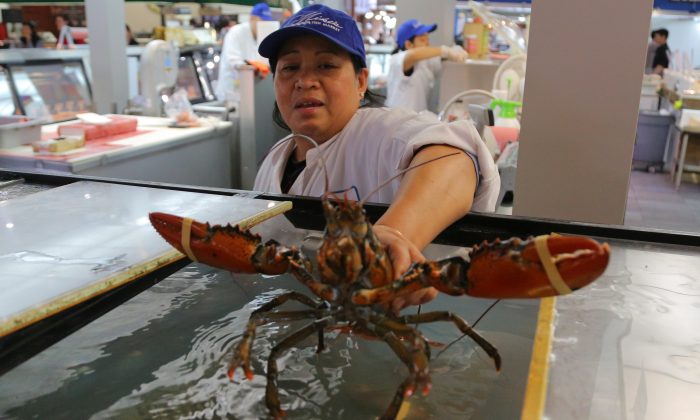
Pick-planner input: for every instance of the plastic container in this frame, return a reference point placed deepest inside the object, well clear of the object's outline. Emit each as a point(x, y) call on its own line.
point(16, 130)
point(650, 143)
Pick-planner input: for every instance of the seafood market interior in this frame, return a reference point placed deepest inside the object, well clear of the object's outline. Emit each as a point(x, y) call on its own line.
point(132, 131)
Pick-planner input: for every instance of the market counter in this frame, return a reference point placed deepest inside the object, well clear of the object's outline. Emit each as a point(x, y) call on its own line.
point(155, 152)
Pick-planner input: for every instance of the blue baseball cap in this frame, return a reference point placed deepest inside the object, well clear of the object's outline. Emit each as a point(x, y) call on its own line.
point(412, 28)
point(317, 19)
point(262, 10)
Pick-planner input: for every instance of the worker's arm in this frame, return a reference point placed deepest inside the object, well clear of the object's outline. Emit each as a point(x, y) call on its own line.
point(430, 198)
point(414, 55)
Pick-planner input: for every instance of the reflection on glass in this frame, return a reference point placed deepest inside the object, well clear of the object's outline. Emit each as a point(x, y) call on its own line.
point(7, 105)
point(187, 78)
point(210, 61)
point(53, 91)
point(378, 60)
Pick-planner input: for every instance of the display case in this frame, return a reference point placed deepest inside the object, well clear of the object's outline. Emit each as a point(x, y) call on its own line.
point(196, 68)
point(192, 78)
point(209, 57)
point(378, 60)
point(7, 97)
point(52, 90)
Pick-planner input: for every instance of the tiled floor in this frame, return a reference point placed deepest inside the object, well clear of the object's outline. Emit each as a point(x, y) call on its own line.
point(653, 202)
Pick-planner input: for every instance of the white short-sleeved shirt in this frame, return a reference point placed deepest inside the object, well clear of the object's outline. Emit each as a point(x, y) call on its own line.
point(375, 145)
point(239, 45)
point(411, 92)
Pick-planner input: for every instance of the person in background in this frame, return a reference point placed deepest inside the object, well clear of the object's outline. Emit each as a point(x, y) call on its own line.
point(222, 28)
point(651, 50)
point(30, 38)
point(65, 38)
point(240, 47)
point(320, 79)
point(415, 65)
point(130, 40)
point(662, 54)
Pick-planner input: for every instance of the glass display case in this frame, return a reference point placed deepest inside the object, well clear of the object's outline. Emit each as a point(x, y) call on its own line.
point(193, 77)
point(209, 58)
point(7, 102)
point(378, 58)
point(188, 79)
point(56, 91)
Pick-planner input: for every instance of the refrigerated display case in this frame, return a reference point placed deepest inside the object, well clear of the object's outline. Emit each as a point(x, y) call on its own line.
point(7, 101)
point(209, 57)
point(378, 59)
point(192, 77)
point(54, 90)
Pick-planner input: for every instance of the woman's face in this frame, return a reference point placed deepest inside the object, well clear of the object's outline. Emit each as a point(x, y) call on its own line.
point(418, 41)
point(316, 87)
point(26, 31)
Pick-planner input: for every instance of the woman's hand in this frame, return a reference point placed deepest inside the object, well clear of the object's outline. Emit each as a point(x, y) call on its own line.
point(403, 253)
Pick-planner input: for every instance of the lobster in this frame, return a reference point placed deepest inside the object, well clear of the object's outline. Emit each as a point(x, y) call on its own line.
point(356, 284)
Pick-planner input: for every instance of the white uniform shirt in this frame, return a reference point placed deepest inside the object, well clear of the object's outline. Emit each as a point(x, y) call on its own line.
point(411, 92)
point(239, 45)
point(374, 145)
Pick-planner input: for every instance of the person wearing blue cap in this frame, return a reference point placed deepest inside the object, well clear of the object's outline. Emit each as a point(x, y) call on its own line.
point(415, 66)
point(320, 80)
point(240, 47)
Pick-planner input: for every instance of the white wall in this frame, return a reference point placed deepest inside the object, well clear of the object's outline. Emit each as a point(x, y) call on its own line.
point(684, 34)
point(140, 18)
point(441, 12)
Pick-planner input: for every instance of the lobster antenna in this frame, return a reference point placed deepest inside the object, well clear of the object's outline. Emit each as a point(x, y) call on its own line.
point(276, 145)
point(317, 146)
point(401, 172)
point(473, 325)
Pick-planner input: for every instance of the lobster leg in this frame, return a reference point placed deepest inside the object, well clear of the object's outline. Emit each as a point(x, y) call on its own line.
point(241, 356)
point(272, 390)
point(463, 327)
point(415, 357)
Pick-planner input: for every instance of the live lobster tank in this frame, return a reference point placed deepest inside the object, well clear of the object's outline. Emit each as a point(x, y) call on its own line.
point(615, 347)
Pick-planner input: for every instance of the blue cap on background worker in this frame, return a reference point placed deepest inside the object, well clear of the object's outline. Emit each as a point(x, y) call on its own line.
point(262, 10)
point(415, 65)
point(410, 29)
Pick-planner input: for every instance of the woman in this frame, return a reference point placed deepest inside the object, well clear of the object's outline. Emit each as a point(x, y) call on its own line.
point(415, 66)
point(320, 78)
point(30, 38)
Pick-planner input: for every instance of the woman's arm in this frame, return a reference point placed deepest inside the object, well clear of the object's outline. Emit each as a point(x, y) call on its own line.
point(430, 198)
point(417, 54)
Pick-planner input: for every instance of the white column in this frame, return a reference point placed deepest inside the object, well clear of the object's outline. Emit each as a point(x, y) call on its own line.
point(584, 74)
point(441, 12)
point(110, 87)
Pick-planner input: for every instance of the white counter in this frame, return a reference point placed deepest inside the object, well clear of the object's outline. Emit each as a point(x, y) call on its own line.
point(155, 152)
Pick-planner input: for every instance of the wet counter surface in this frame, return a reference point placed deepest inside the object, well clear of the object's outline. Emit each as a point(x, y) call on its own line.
point(625, 347)
point(165, 352)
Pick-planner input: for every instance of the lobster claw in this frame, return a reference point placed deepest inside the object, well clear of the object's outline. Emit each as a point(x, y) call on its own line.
point(517, 269)
point(227, 247)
